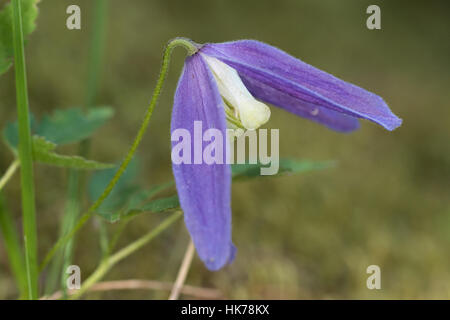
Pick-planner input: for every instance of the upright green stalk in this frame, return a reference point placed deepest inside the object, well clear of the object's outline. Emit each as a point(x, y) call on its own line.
point(191, 48)
point(94, 71)
point(96, 50)
point(25, 154)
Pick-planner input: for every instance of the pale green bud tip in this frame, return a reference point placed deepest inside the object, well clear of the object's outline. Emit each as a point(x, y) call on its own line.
point(250, 112)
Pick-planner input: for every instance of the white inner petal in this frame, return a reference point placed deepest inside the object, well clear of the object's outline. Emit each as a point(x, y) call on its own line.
point(250, 111)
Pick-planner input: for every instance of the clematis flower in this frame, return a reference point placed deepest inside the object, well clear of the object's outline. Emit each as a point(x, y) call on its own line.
point(229, 85)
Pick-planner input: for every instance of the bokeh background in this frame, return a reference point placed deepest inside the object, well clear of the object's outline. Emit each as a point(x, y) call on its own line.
point(298, 237)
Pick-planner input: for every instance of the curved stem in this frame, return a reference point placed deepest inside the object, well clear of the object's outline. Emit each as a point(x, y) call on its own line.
point(182, 273)
point(9, 173)
point(192, 48)
point(107, 264)
point(138, 284)
point(25, 153)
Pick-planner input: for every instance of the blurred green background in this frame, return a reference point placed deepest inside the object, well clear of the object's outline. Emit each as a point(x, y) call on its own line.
point(299, 237)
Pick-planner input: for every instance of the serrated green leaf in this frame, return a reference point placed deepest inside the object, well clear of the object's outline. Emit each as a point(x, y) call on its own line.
point(162, 204)
point(11, 134)
point(154, 206)
point(29, 14)
point(138, 199)
point(72, 125)
point(127, 198)
point(43, 152)
point(123, 190)
point(61, 127)
point(286, 166)
point(42, 146)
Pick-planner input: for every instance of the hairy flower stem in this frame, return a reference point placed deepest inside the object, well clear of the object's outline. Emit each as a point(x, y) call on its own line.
point(191, 48)
point(112, 260)
point(25, 154)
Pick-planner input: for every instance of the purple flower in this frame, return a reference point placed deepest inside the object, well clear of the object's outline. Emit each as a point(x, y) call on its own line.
point(221, 84)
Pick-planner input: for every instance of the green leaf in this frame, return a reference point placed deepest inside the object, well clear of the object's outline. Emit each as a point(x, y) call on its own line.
point(121, 193)
point(128, 198)
point(58, 128)
point(153, 206)
point(29, 15)
point(72, 125)
point(62, 127)
point(43, 152)
point(11, 134)
point(286, 166)
point(162, 204)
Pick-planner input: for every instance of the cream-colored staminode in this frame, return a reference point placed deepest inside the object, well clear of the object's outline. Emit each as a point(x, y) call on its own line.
point(251, 113)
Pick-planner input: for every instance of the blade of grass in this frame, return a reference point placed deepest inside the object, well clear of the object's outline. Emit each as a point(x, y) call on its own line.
point(72, 211)
point(9, 173)
point(77, 179)
point(103, 238)
point(13, 248)
point(56, 273)
point(116, 235)
point(25, 154)
point(96, 50)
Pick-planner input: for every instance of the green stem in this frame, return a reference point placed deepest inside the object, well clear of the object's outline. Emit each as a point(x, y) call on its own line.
point(125, 220)
point(107, 264)
point(159, 84)
point(103, 238)
point(96, 49)
point(116, 236)
point(9, 173)
point(71, 212)
point(94, 71)
point(13, 248)
point(61, 261)
point(25, 154)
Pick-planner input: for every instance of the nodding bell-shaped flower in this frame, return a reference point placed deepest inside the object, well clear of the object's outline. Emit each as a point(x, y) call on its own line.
point(228, 83)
